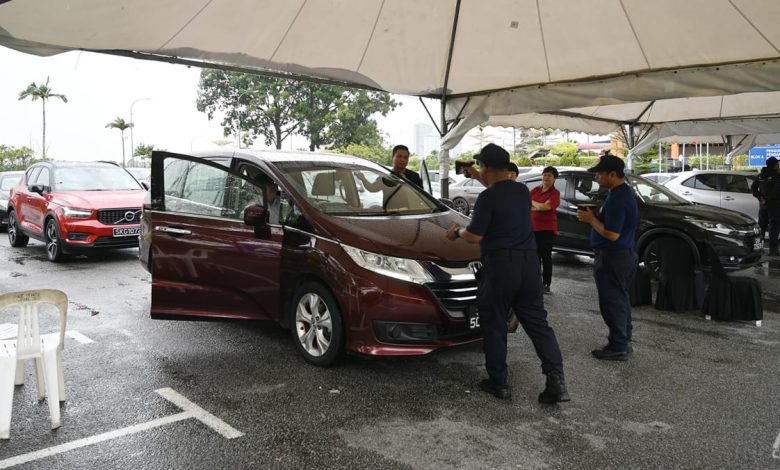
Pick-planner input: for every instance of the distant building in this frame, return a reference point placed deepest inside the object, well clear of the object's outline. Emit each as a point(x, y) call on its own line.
point(426, 139)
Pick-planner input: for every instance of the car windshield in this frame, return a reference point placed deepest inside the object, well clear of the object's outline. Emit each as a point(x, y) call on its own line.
point(653, 193)
point(355, 190)
point(94, 178)
point(9, 181)
point(140, 173)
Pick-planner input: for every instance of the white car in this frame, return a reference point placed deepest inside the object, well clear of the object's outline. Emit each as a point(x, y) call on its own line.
point(436, 183)
point(726, 189)
point(660, 178)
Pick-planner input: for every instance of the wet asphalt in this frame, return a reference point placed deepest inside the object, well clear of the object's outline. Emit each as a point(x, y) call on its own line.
point(695, 393)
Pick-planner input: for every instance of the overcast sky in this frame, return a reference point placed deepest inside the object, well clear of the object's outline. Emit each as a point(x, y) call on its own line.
point(101, 88)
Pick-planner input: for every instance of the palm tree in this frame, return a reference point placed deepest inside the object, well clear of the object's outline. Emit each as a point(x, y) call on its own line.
point(42, 91)
point(120, 124)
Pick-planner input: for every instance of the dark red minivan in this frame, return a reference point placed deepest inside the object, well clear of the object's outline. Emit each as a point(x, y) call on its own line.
point(297, 238)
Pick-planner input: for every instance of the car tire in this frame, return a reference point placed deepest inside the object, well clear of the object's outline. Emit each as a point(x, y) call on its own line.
point(461, 205)
point(53, 241)
point(317, 328)
point(15, 236)
point(651, 257)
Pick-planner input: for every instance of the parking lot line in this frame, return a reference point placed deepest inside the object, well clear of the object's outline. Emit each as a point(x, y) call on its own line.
point(191, 410)
point(73, 334)
point(776, 448)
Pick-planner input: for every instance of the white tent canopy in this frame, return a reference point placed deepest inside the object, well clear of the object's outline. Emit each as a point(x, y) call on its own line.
point(483, 59)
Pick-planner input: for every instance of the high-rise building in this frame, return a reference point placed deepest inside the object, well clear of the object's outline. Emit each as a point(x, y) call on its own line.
point(426, 139)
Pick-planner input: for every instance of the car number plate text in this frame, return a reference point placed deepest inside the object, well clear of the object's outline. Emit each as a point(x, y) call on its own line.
point(759, 244)
point(127, 231)
point(473, 318)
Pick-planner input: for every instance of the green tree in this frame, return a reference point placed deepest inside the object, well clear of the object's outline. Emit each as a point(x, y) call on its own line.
point(377, 153)
point(42, 92)
point(262, 106)
point(144, 150)
point(12, 159)
point(120, 124)
point(568, 153)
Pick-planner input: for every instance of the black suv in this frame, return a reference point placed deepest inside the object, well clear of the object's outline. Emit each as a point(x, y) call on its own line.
point(733, 235)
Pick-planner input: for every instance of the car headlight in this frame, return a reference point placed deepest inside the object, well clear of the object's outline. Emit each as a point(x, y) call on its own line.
point(73, 213)
point(398, 268)
point(713, 226)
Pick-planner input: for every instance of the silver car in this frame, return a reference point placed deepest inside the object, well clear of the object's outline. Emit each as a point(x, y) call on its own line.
point(464, 194)
point(725, 189)
point(660, 178)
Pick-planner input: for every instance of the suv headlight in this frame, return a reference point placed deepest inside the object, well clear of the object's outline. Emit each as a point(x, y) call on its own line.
point(73, 213)
point(398, 268)
point(713, 226)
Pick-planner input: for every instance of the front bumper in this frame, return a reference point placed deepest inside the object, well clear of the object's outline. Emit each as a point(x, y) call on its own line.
point(741, 249)
point(89, 234)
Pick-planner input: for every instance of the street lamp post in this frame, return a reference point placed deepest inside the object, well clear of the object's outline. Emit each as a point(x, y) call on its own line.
point(132, 148)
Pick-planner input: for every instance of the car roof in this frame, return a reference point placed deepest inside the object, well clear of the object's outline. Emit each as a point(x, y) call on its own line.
point(68, 164)
point(274, 156)
point(715, 172)
point(15, 172)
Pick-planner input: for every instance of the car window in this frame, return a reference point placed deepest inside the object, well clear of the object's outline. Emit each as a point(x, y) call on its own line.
point(560, 185)
point(197, 188)
point(690, 182)
point(651, 192)
point(707, 182)
point(336, 189)
point(31, 174)
point(44, 177)
point(586, 188)
point(737, 183)
point(9, 181)
point(93, 178)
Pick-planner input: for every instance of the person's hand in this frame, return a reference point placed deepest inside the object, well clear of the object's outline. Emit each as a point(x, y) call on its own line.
point(585, 215)
point(452, 233)
point(359, 175)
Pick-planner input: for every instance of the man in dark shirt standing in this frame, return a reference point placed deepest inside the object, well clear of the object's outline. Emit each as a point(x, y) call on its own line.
point(400, 161)
point(509, 279)
point(613, 240)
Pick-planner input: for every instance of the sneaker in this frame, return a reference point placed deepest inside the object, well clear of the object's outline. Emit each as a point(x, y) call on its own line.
point(554, 390)
point(607, 354)
point(502, 392)
point(511, 325)
point(547, 289)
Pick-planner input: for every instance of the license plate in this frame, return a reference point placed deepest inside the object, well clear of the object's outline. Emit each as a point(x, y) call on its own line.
point(759, 244)
point(472, 316)
point(127, 231)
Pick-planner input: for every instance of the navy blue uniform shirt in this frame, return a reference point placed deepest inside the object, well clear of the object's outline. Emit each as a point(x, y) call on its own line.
point(502, 215)
point(620, 214)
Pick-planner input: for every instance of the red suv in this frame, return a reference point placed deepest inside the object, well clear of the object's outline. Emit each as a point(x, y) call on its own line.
point(294, 238)
point(74, 207)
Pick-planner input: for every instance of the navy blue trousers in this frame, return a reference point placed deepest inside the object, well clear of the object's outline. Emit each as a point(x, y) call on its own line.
point(614, 272)
point(773, 213)
point(509, 280)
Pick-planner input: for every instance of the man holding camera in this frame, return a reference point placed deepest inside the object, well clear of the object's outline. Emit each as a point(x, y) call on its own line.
point(613, 238)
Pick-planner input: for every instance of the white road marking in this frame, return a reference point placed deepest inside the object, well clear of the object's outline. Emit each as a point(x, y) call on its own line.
point(191, 410)
point(776, 448)
point(73, 334)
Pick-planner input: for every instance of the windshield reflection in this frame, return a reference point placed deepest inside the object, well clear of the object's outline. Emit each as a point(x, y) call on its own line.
point(652, 193)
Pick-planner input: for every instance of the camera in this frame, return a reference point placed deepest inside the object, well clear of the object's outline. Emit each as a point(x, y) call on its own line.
point(460, 165)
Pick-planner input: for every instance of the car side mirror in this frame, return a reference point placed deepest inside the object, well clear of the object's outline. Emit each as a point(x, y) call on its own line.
point(256, 216)
point(145, 185)
point(39, 188)
point(447, 202)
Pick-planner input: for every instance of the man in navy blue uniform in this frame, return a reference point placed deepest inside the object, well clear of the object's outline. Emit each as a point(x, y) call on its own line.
point(509, 278)
point(612, 237)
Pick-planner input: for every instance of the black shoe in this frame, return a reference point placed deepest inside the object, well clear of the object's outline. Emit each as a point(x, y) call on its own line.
point(554, 390)
point(502, 392)
point(547, 289)
point(609, 355)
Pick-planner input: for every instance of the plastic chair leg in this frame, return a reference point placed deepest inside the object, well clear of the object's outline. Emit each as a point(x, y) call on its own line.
point(40, 378)
point(7, 373)
point(60, 376)
point(52, 386)
point(19, 373)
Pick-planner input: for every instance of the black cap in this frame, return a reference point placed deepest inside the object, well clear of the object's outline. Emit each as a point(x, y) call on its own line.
point(609, 163)
point(771, 161)
point(493, 156)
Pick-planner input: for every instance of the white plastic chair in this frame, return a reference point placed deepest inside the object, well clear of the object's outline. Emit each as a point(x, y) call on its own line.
point(46, 349)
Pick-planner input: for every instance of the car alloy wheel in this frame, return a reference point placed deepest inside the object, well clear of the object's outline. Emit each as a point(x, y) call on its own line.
point(317, 329)
point(461, 205)
point(15, 236)
point(53, 242)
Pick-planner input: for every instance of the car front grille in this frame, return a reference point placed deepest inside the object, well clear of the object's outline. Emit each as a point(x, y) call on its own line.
point(455, 296)
point(126, 216)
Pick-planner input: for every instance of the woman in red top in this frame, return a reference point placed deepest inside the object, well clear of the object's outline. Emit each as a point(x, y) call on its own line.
point(545, 200)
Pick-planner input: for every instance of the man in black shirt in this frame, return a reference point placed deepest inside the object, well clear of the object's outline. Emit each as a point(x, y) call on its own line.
point(509, 279)
point(400, 161)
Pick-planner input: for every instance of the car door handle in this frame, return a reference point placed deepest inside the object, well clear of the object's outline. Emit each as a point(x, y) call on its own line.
point(687, 193)
point(728, 198)
point(172, 231)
